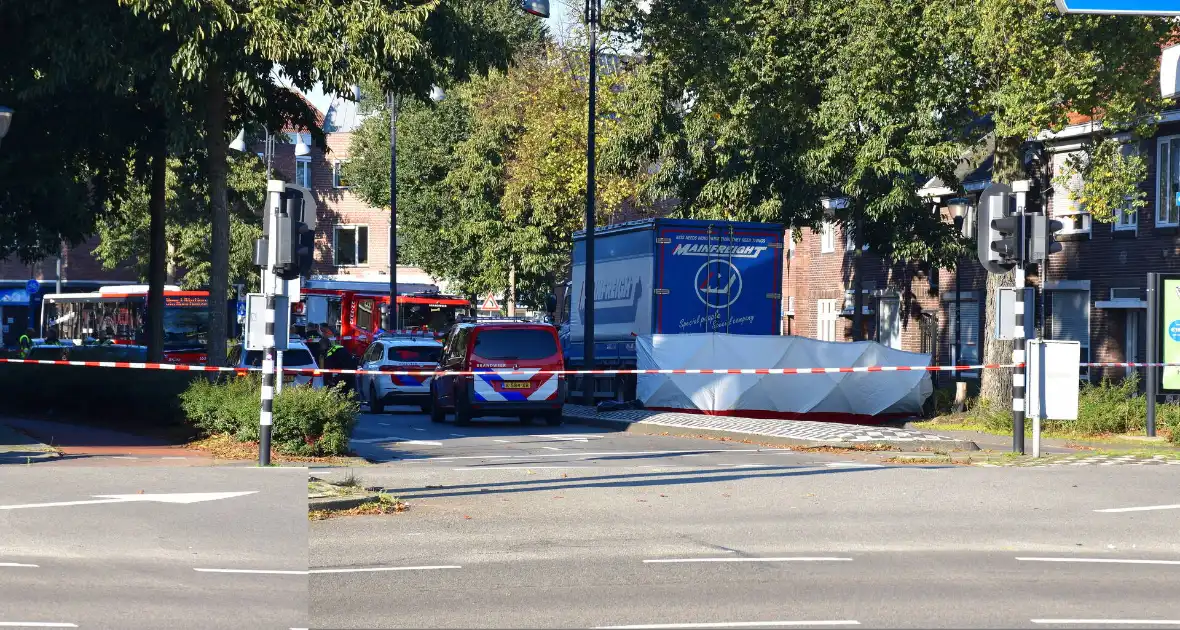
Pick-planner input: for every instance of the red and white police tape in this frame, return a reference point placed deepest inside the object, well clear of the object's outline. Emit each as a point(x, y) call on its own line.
point(180, 367)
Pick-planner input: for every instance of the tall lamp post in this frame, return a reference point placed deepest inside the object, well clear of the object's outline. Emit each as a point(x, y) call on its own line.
point(5, 120)
point(593, 14)
point(958, 208)
point(393, 102)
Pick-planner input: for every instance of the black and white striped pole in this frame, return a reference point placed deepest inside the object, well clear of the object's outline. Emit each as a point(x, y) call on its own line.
point(271, 286)
point(1021, 188)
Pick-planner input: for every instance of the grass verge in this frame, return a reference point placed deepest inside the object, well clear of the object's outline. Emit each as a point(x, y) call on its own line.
point(223, 446)
point(385, 504)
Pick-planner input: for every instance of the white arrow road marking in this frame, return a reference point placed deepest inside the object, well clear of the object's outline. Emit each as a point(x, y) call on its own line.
point(178, 497)
point(18, 564)
point(1146, 508)
point(398, 440)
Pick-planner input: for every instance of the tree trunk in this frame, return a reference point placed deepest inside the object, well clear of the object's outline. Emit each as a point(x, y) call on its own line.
point(219, 209)
point(157, 252)
point(995, 386)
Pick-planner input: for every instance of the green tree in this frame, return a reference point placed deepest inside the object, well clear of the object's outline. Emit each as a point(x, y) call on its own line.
point(125, 237)
point(493, 179)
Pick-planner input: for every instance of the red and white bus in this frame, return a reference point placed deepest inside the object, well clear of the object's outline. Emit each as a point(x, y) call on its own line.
point(119, 313)
point(354, 312)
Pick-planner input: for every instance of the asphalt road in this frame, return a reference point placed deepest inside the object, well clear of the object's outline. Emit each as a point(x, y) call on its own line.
point(406, 437)
point(132, 561)
point(898, 547)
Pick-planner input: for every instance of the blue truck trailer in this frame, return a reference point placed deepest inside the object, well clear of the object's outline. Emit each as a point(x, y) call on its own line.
point(670, 276)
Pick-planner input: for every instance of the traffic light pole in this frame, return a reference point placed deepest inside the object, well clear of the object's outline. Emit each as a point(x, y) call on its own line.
point(1018, 339)
point(271, 285)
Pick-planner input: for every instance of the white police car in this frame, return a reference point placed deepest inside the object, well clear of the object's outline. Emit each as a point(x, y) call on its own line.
point(297, 355)
point(397, 353)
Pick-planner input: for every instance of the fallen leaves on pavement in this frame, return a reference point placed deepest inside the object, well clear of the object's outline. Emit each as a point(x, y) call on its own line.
point(383, 505)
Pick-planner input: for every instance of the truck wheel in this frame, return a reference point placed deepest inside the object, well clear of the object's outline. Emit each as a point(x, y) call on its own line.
point(375, 405)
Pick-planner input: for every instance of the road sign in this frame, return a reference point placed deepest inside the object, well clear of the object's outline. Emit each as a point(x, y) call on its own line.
point(490, 303)
point(1120, 7)
point(241, 308)
point(32, 286)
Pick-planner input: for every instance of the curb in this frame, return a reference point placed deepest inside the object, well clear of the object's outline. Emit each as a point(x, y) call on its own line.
point(340, 503)
point(640, 428)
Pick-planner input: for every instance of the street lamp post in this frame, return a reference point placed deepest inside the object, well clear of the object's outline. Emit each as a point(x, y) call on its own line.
point(593, 13)
point(958, 208)
point(5, 120)
point(393, 102)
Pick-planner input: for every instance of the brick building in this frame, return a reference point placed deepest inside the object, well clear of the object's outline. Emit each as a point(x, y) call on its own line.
point(1094, 290)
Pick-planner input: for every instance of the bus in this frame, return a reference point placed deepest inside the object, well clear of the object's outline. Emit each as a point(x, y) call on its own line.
point(354, 313)
point(119, 314)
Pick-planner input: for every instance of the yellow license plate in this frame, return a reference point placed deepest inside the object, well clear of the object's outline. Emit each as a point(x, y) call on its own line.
point(517, 385)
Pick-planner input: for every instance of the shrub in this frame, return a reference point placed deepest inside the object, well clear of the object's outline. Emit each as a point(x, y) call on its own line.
point(307, 422)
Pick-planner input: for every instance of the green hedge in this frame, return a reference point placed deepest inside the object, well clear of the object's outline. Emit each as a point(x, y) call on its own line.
point(307, 422)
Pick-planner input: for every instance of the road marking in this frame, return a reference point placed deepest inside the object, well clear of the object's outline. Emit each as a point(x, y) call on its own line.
point(375, 569)
point(696, 455)
point(741, 465)
point(525, 468)
point(852, 465)
point(1123, 622)
point(321, 471)
point(35, 624)
point(1142, 509)
point(551, 448)
point(787, 559)
point(18, 564)
point(252, 571)
point(569, 438)
point(178, 497)
point(585, 455)
point(1101, 560)
point(733, 624)
point(458, 435)
point(502, 441)
point(398, 440)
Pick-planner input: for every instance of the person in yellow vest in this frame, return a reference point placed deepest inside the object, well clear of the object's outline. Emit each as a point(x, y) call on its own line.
point(26, 342)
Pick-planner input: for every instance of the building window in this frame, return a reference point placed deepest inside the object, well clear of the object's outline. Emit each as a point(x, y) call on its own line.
point(1167, 203)
point(827, 313)
point(791, 243)
point(303, 172)
point(1069, 320)
point(968, 334)
point(338, 178)
point(351, 245)
point(1073, 216)
point(827, 237)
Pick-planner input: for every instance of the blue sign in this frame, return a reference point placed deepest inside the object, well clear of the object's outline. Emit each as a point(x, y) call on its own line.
point(14, 296)
point(241, 309)
point(32, 286)
point(1120, 7)
point(732, 279)
point(1174, 330)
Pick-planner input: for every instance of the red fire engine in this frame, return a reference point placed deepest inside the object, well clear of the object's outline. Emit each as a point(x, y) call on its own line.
point(353, 313)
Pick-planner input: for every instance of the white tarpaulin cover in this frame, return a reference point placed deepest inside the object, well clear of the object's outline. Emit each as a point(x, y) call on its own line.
point(849, 396)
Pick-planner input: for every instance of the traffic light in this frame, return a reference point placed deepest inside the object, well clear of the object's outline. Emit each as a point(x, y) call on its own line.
point(994, 204)
point(1052, 227)
point(296, 246)
point(1007, 241)
point(1041, 240)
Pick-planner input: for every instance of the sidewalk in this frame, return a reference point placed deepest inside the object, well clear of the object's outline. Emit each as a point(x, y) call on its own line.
point(782, 432)
point(86, 445)
point(18, 448)
point(996, 442)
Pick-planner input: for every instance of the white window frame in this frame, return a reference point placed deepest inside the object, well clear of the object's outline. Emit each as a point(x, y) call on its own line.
point(791, 243)
point(790, 312)
point(1073, 216)
point(827, 237)
point(1125, 220)
point(827, 319)
point(336, 174)
point(355, 229)
point(305, 161)
point(1165, 192)
point(967, 299)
